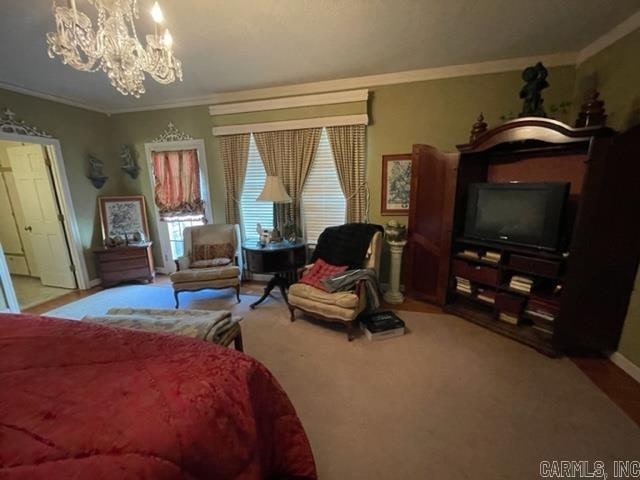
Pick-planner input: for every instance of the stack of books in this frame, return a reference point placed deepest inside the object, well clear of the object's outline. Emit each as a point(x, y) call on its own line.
point(509, 318)
point(543, 311)
point(463, 285)
point(488, 296)
point(382, 325)
point(521, 283)
point(490, 256)
point(469, 253)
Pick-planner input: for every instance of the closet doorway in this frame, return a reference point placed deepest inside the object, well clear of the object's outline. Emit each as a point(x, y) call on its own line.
point(34, 236)
point(170, 228)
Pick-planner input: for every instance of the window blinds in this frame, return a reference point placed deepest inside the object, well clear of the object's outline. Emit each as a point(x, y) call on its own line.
point(254, 212)
point(323, 203)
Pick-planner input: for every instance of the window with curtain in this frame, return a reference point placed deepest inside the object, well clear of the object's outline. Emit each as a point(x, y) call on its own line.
point(323, 203)
point(254, 212)
point(178, 194)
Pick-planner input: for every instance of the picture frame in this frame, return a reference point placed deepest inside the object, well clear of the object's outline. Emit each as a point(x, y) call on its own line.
point(396, 184)
point(123, 215)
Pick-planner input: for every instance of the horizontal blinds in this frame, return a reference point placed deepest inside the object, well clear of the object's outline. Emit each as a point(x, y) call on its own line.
point(323, 203)
point(254, 212)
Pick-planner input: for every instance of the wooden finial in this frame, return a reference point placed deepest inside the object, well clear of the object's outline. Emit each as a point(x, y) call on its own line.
point(592, 112)
point(478, 128)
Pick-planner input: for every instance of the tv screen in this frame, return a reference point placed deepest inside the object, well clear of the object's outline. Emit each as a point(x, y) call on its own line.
point(521, 213)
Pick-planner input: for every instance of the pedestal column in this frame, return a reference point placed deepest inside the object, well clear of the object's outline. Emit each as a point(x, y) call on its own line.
point(393, 295)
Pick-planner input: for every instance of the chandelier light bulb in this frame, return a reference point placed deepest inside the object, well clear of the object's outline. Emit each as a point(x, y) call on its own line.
point(156, 13)
point(167, 39)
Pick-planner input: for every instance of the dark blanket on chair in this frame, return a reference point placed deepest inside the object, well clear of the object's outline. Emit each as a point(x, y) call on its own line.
point(82, 400)
point(345, 244)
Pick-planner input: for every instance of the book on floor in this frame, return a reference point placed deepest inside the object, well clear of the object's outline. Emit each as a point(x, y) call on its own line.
point(382, 325)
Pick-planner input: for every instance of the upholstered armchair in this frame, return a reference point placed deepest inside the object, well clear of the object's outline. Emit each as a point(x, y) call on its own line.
point(212, 260)
point(343, 307)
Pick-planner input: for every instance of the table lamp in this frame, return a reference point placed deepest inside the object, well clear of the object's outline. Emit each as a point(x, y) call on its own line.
point(275, 192)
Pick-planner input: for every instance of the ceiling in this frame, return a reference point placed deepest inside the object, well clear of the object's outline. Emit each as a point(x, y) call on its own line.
point(230, 45)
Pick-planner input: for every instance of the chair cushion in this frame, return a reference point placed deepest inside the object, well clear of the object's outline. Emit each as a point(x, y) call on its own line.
point(340, 299)
point(319, 271)
point(214, 262)
point(205, 274)
point(212, 251)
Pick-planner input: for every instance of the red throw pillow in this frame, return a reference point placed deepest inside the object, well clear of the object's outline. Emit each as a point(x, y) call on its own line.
point(319, 271)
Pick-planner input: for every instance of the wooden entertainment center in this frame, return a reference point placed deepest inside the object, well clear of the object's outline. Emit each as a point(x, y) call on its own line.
point(580, 293)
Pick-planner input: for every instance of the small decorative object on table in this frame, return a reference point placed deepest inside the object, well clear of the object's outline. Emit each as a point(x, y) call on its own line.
point(396, 236)
point(396, 184)
point(382, 325)
point(536, 81)
point(96, 175)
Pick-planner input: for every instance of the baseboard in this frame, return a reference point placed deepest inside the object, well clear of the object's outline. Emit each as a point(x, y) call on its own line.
point(94, 282)
point(627, 365)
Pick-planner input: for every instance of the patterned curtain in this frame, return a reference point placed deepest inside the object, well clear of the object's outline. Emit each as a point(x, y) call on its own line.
point(177, 183)
point(347, 145)
point(288, 154)
point(234, 150)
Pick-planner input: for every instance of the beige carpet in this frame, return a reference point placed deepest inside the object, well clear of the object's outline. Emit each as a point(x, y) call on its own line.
point(449, 400)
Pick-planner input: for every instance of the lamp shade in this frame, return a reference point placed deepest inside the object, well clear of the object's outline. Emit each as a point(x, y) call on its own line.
point(274, 191)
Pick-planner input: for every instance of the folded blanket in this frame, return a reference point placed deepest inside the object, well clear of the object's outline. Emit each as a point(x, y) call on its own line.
point(211, 326)
point(349, 280)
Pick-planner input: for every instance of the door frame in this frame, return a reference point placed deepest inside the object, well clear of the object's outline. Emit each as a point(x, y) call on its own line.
point(193, 144)
point(60, 181)
point(6, 285)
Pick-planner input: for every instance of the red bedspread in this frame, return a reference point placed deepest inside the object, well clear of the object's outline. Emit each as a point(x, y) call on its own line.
point(81, 400)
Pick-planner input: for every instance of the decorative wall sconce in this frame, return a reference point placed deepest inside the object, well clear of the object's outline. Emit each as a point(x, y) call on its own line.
point(129, 161)
point(96, 175)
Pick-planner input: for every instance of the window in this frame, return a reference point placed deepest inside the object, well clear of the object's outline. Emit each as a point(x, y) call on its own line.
point(254, 212)
point(323, 203)
point(176, 227)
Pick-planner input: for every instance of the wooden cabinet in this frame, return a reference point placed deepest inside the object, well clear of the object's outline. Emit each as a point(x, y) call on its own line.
point(594, 271)
point(122, 264)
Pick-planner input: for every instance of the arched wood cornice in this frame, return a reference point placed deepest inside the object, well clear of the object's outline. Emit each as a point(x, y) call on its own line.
point(533, 128)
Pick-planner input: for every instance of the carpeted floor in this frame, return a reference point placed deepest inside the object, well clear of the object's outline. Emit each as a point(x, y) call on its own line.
point(449, 400)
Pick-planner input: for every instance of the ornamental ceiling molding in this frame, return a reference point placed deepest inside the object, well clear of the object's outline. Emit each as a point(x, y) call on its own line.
point(172, 134)
point(9, 124)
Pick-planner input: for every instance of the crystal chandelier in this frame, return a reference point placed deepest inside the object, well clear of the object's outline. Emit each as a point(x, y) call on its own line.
point(113, 45)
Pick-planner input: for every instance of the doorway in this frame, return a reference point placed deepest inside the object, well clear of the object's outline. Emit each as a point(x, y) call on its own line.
point(170, 229)
point(33, 234)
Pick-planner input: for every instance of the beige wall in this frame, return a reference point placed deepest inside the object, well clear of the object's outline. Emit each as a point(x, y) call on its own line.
point(616, 73)
point(80, 132)
point(439, 112)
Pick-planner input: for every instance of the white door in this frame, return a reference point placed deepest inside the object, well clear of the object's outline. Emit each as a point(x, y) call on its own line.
point(41, 215)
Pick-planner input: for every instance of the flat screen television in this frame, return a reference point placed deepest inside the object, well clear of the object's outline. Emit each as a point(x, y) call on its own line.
point(528, 214)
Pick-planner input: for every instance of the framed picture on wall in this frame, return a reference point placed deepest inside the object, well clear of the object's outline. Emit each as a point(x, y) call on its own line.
point(122, 216)
point(396, 184)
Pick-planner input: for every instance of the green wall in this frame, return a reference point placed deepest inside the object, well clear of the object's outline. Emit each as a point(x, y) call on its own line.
point(437, 112)
point(80, 132)
point(616, 73)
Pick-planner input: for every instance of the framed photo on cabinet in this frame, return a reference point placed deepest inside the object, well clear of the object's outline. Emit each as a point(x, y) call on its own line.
point(396, 184)
point(122, 216)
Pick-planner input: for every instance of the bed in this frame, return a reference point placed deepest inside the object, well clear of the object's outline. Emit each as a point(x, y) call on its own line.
point(82, 400)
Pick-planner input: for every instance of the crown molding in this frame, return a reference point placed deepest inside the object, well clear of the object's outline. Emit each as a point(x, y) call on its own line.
point(53, 98)
point(290, 102)
point(494, 66)
point(612, 36)
point(362, 119)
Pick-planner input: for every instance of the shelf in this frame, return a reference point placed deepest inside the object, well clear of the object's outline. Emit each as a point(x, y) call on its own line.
point(522, 333)
point(477, 260)
point(473, 298)
point(507, 247)
point(529, 272)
